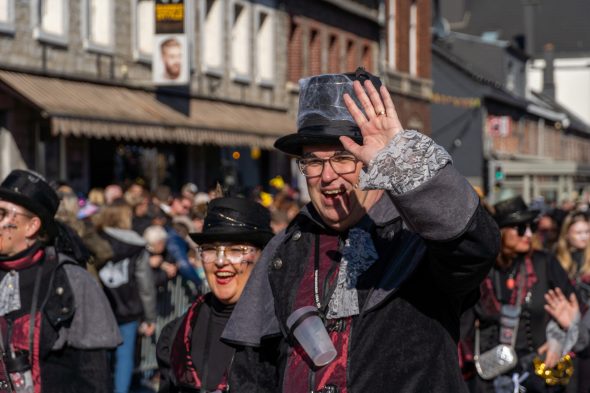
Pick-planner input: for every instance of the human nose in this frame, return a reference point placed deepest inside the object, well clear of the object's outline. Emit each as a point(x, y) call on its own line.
point(328, 172)
point(220, 260)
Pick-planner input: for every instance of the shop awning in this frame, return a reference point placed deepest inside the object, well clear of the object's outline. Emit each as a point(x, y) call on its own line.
point(94, 110)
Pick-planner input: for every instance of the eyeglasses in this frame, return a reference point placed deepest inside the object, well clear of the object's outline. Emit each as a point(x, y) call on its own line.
point(234, 254)
point(5, 212)
point(340, 163)
point(521, 228)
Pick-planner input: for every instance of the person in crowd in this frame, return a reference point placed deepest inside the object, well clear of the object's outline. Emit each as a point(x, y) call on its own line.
point(180, 206)
point(545, 236)
point(573, 253)
point(128, 283)
point(189, 190)
point(390, 250)
point(96, 196)
point(56, 324)
point(573, 246)
point(190, 355)
point(512, 311)
point(112, 192)
point(177, 247)
point(197, 215)
point(155, 237)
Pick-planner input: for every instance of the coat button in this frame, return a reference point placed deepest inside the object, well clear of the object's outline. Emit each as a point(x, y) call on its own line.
point(65, 310)
point(59, 291)
point(277, 263)
point(297, 236)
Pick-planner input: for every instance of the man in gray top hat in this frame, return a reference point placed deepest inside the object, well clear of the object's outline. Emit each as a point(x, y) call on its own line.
point(390, 250)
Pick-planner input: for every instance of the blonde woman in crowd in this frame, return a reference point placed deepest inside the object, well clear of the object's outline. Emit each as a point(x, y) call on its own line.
point(573, 253)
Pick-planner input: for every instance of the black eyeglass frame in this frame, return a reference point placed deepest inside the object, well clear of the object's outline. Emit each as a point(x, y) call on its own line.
point(302, 164)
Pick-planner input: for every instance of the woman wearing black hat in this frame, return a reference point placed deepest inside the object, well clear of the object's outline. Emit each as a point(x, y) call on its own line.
point(56, 326)
point(190, 354)
point(512, 312)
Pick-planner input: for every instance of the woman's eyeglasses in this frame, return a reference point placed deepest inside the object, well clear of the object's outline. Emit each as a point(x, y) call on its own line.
point(234, 254)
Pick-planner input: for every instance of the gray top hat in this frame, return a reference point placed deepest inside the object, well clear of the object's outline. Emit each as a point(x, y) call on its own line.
point(323, 116)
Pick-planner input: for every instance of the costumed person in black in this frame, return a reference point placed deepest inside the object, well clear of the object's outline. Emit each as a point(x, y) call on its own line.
point(56, 324)
point(390, 250)
point(512, 312)
point(190, 355)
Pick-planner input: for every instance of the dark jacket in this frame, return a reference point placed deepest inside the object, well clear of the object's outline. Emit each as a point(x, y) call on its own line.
point(74, 328)
point(127, 279)
point(435, 244)
point(547, 273)
point(174, 350)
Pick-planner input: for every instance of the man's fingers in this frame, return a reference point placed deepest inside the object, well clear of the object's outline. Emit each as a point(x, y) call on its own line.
point(375, 98)
point(350, 145)
point(361, 95)
point(354, 110)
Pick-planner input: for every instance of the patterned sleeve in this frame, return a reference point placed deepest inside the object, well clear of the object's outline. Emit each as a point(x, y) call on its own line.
point(409, 160)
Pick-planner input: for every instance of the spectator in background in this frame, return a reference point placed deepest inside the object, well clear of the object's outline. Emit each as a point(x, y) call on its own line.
point(180, 206)
point(111, 193)
point(197, 216)
point(545, 236)
point(156, 237)
point(129, 285)
point(177, 248)
point(189, 190)
point(573, 252)
point(96, 197)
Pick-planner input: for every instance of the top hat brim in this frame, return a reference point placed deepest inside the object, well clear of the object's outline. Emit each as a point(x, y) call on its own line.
point(521, 217)
point(293, 143)
point(32, 206)
point(256, 238)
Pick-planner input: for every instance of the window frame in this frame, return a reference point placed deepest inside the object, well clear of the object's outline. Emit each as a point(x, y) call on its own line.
point(86, 26)
point(237, 75)
point(8, 26)
point(213, 70)
point(391, 55)
point(413, 41)
point(138, 55)
point(47, 37)
point(270, 12)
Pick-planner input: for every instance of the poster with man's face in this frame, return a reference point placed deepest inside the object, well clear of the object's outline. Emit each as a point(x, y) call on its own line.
point(170, 60)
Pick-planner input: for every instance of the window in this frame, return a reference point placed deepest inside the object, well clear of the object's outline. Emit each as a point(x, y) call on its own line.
point(265, 46)
point(212, 36)
point(98, 25)
point(367, 58)
point(315, 53)
point(143, 45)
point(351, 57)
point(391, 36)
point(294, 66)
point(50, 21)
point(413, 34)
point(7, 16)
point(334, 55)
point(240, 41)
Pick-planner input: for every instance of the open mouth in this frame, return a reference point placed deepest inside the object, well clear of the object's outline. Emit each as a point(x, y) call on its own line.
point(224, 276)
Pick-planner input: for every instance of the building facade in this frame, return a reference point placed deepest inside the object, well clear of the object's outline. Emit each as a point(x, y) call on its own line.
point(77, 97)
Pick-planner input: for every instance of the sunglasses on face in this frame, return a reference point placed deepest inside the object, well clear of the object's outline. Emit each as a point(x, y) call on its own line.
point(521, 228)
